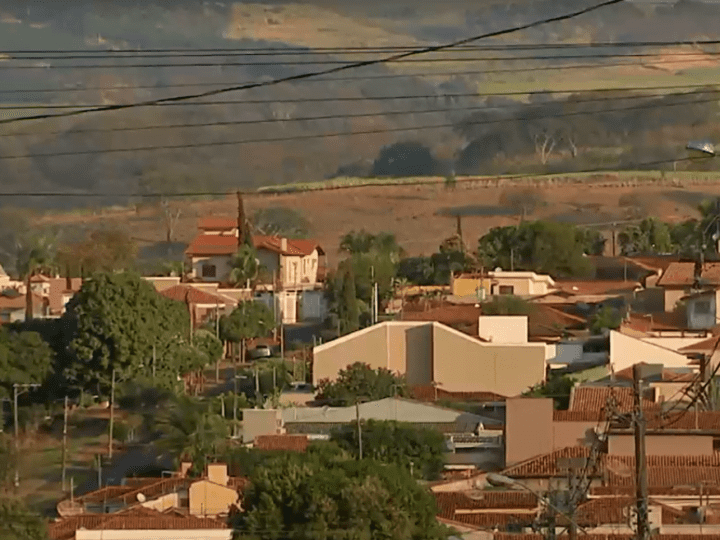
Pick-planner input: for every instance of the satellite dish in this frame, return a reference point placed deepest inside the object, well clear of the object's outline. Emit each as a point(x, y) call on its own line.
point(141, 497)
point(498, 269)
point(706, 147)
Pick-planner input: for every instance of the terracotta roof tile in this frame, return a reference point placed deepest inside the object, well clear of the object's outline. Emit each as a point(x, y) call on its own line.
point(185, 293)
point(682, 274)
point(595, 398)
point(545, 465)
point(677, 491)
point(492, 520)
point(294, 443)
point(217, 223)
point(487, 509)
point(615, 511)
point(658, 263)
point(597, 287)
point(578, 416)
point(705, 346)
point(17, 301)
point(463, 317)
point(657, 322)
point(212, 244)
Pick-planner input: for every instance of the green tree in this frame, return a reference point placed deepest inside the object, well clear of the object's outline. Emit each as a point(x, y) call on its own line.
point(244, 266)
point(344, 299)
point(507, 305)
point(18, 522)
point(557, 387)
point(249, 320)
point(359, 381)
point(557, 249)
point(417, 449)
point(115, 320)
point(24, 358)
point(650, 236)
point(296, 497)
point(36, 255)
point(362, 242)
point(191, 430)
point(605, 318)
point(102, 251)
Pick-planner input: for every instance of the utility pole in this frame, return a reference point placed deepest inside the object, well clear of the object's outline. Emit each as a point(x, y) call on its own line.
point(154, 358)
point(359, 429)
point(641, 483)
point(459, 232)
point(16, 393)
point(257, 385)
point(112, 416)
point(240, 219)
point(274, 378)
point(64, 443)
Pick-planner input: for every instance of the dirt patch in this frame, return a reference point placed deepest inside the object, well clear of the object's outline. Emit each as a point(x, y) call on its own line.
point(680, 59)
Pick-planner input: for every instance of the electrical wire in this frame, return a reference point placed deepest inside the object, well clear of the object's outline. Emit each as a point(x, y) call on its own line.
point(371, 48)
point(288, 138)
point(388, 183)
point(329, 71)
point(390, 113)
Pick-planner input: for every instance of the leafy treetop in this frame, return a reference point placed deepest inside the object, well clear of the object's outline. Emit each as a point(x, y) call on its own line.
point(25, 358)
point(360, 382)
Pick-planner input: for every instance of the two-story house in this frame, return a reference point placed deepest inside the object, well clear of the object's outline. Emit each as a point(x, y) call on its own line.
point(694, 287)
point(294, 269)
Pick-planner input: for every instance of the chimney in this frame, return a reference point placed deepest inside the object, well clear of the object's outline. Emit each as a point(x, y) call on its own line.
point(217, 473)
point(68, 282)
point(283, 244)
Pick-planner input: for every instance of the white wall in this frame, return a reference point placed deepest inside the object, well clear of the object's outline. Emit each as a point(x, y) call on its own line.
point(222, 267)
point(626, 351)
point(503, 329)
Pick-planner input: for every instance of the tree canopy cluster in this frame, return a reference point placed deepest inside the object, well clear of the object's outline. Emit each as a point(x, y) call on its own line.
point(359, 382)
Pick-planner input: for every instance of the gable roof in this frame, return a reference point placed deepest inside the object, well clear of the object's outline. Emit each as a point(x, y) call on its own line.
point(679, 274)
point(705, 346)
point(14, 302)
point(212, 244)
point(671, 321)
point(614, 511)
point(545, 465)
point(595, 398)
point(188, 293)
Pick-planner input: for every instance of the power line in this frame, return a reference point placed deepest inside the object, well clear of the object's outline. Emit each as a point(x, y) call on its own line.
point(388, 113)
point(460, 59)
point(386, 48)
point(390, 182)
point(327, 135)
point(329, 71)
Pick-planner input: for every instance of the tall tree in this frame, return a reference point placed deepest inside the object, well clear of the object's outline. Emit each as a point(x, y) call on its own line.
point(344, 298)
point(115, 320)
point(36, 255)
point(359, 381)
point(102, 251)
point(24, 358)
point(650, 236)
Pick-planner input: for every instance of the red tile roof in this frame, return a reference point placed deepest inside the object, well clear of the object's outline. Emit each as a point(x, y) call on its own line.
point(17, 301)
point(212, 244)
point(188, 293)
point(597, 287)
point(293, 443)
point(705, 346)
point(670, 491)
point(614, 511)
point(217, 223)
point(652, 263)
point(682, 274)
point(595, 398)
point(578, 416)
point(463, 317)
point(655, 322)
point(487, 509)
point(545, 465)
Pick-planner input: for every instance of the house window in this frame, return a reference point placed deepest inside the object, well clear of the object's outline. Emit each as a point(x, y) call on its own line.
point(702, 307)
point(208, 270)
point(506, 289)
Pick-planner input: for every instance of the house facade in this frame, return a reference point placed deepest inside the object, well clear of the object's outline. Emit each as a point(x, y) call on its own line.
point(431, 353)
point(499, 282)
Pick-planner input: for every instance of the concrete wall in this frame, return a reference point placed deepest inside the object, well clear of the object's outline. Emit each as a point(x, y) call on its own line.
point(702, 318)
point(673, 296)
point(674, 343)
point(258, 422)
point(503, 329)
point(368, 345)
point(571, 433)
point(209, 499)
point(199, 534)
point(270, 260)
point(222, 267)
point(163, 282)
point(662, 445)
point(665, 391)
point(626, 351)
point(528, 428)
point(171, 500)
point(465, 286)
point(463, 364)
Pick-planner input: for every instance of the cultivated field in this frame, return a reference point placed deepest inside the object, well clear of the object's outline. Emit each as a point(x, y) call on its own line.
point(423, 215)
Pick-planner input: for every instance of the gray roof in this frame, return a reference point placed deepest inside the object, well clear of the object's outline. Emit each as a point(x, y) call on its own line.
point(402, 410)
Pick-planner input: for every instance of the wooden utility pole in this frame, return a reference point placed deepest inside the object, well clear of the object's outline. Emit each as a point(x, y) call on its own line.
point(240, 219)
point(112, 417)
point(459, 232)
point(641, 483)
point(359, 429)
point(64, 443)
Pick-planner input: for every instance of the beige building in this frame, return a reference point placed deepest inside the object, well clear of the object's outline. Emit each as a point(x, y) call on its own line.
point(296, 264)
point(431, 353)
point(498, 282)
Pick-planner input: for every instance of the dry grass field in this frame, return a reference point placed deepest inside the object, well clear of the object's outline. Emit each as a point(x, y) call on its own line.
point(420, 215)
